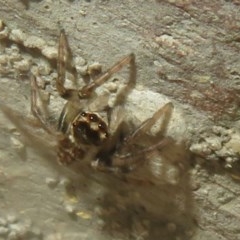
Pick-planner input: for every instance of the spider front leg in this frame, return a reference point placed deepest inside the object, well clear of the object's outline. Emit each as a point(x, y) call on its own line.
point(87, 90)
point(64, 61)
point(165, 112)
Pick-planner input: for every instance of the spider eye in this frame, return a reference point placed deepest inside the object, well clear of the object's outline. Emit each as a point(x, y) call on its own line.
point(83, 114)
point(102, 126)
point(93, 118)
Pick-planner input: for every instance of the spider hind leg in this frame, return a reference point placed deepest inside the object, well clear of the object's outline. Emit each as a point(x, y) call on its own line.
point(130, 153)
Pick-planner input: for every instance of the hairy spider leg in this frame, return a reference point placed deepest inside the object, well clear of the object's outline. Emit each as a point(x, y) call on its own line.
point(64, 56)
point(129, 159)
point(165, 112)
point(86, 91)
point(129, 59)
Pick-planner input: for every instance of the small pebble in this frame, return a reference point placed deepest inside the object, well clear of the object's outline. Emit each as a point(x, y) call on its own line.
point(23, 65)
point(94, 68)
point(112, 86)
point(34, 42)
point(17, 35)
point(70, 209)
point(83, 12)
point(14, 53)
point(84, 215)
point(50, 52)
point(83, 70)
point(44, 69)
point(51, 182)
point(79, 61)
point(214, 143)
point(229, 160)
point(17, 144)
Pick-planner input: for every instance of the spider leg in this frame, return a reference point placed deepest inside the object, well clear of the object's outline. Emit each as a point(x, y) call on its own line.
point(129, 156)
point(131, 160)
point(87, 90)
point(61, 64)
point(37, 113)
point(165, 111)
point(63, 61)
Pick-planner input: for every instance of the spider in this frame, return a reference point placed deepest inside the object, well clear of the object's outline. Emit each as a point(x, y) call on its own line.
point(101, 135)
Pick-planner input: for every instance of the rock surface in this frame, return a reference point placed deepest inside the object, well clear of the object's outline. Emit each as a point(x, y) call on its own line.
point(187, 54)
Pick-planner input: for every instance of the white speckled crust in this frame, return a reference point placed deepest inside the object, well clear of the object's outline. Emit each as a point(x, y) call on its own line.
point(34, 42)
point(13, 228)
point(49, 52)
point(22, 66)
point(17, 36)
point(219, 144)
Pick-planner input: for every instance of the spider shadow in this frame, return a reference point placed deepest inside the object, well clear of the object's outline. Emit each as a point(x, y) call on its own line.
point(151, 211)
point(138, 210)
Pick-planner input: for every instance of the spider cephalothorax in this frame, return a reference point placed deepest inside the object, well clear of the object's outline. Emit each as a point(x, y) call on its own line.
point(89, 128)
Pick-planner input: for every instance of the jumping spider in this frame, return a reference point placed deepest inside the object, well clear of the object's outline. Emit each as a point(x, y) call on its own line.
point(101, 134)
